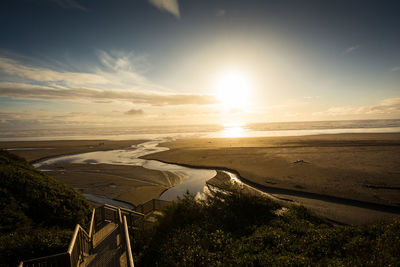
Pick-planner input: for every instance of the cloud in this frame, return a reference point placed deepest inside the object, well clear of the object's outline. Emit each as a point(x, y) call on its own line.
point(12, 67)
point(123, 61)
point(387, 106)
point(117, 70)
point(118, 78)
point(120, 66)
point(29, 91)
point(134, 112)
point(390, 106)
point(50, 119)
point(170, 6)
point(68, 4)
point(352, 48)
point(396, 68)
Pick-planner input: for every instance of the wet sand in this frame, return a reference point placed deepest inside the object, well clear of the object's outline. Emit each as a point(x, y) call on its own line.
point(132, 184)
point(37, 150)
point(352, 178)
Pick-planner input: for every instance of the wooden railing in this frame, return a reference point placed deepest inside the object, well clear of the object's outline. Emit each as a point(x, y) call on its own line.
point(124, 217)
point(152, 205)
point(61, 259)
point(82, 242)
point(128, 249)
point(111, 213)
point(80, 245)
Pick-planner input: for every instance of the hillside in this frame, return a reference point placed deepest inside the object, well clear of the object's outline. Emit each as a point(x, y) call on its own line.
point(37, 212)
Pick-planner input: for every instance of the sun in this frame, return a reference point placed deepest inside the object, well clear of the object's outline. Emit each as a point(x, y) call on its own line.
point(233, 90)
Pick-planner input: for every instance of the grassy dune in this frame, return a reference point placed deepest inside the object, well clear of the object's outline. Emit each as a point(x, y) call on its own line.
point(37, 212)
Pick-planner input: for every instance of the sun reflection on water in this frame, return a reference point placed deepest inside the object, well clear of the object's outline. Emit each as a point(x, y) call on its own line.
point(233, 130)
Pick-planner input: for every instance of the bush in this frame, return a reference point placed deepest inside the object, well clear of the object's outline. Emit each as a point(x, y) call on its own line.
point(37, 212)
point(28, 243)
point(243, 230)
point(41, 198)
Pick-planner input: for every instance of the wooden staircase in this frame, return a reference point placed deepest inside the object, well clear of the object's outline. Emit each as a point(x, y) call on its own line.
point(107, 248)
point(106, 244)
point(107, 241)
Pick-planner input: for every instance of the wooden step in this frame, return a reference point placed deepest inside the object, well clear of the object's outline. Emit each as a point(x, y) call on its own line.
point(107, 248)
point(100, 235)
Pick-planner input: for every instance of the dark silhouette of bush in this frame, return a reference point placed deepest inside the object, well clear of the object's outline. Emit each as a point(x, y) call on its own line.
point(235, 229)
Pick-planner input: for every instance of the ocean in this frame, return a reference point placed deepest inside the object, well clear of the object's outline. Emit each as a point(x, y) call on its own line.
point(205, 131)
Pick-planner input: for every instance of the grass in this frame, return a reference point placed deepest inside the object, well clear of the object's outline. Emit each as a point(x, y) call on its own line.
point(238, 229)
point(37, 212)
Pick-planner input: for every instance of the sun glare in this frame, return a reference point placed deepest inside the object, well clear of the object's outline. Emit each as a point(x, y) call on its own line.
point(233, 130)
point(233, 90)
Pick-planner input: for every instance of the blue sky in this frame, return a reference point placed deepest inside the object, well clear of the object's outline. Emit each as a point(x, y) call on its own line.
point(74, 63)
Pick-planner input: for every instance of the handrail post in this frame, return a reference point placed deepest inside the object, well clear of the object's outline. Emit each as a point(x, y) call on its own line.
point(91, 229)
point(119, 216)
point(92, 223)
point(71, 243)
point(128, 245)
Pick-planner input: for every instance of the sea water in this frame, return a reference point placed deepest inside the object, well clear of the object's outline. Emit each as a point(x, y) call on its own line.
point(204, 131)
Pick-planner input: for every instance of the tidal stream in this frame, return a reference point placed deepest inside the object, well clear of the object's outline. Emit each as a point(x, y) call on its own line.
point(192, 180)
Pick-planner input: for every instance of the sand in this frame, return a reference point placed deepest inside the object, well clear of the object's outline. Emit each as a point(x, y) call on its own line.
point(36, 150)
point(349, 178)
point(335, 175)
point(132, 184)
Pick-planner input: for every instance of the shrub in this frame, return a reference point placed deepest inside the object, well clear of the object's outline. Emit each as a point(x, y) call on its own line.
point(37, 212)
point(243, 230)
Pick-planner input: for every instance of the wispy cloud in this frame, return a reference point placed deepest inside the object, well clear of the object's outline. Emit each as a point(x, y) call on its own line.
point(68, 4)
point(390, 106)
point(170, 6)
point(125, 69)
point(55, 119)
point(116, 79)
point(118, 70)
point(12, 67)
point(352, 49)
point(28, 91)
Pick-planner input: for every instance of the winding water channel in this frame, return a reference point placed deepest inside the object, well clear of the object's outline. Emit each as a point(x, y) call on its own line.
point(193, 180)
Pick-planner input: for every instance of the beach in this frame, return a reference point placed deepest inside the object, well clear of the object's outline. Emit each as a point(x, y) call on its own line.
point(37, 150)
point(132, 184)
point(348, 178)
point(352, 178)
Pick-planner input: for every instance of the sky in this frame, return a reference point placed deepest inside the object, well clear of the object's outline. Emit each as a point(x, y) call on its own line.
point(95, 63)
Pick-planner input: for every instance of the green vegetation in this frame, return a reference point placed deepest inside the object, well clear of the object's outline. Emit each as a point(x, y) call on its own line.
point(238, 229)
point(37, 212)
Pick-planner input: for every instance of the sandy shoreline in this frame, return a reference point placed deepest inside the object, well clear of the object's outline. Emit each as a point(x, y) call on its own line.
point(304, 169)
point(328, 164)
point(132, 184)
point(357, 167)
point(37, 150)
